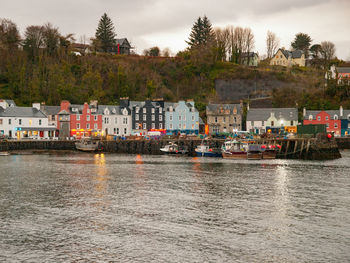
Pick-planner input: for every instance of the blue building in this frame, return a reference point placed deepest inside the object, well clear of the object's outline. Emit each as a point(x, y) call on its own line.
point(181, 117)
point(345, 122)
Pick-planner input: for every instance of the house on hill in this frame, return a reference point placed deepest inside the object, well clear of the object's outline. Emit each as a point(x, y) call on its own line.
point(341, 74)
point(250, 59)
point(123, 46)
point(288, 58)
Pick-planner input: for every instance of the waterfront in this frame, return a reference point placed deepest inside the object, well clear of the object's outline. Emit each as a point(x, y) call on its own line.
point(140, 208)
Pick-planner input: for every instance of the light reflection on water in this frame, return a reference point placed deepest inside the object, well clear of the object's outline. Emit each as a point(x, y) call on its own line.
point(108, 207)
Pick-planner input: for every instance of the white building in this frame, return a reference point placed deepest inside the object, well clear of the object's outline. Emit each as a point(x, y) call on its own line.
point(116, 120)
point(22, 122)
point(258, 120)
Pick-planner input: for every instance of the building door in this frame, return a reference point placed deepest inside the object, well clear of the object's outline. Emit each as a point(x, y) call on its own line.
point(10, 133)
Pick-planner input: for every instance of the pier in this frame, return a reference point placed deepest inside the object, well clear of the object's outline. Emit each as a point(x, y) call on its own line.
point(319, 148)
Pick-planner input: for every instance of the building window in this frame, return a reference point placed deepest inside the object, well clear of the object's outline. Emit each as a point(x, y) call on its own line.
point(160, 117)
point(10, 121)
point(152, 110)
point(179, 126)
point(171, 126)
point(216, 119)
point(95, 126)
point(106, 120)
point(272, 123)
point(88, 117)
point(161, 125)
point(19, 122)
point(179, 117)
point(39, 122)
point(327, 125)
point(335, 125)
point(160, 110)
point(262, 123)
point(184, 126)
point(252, 123)
point(137, 110)
point(153, 117)
point(116, 120)
point(78, 126)
point(136, 117)
point(319, 118)
point(124, 130)
point(336, 117)
point(192, 126)
point(144, 110)
point(88, 111)
point(326, 118)
point(78, 117)
point(114, 130)
point(144, 126)
point(348, 118)
point(184, 117)
point(192, 117)
point(88, 126)
point(171, 117)
point(144, 117)
point(310, 117)
point(95, 117)
point(117, 131)
point(153, 125)
point(0, 121)
point(291, 123)
point(125, 120)
point(53, 117)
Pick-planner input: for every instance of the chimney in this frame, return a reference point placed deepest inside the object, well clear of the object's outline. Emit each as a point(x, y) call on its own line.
point(124, 102)
point(3, 104)
point(93, 103)
point(304, 112)
point(36, 105)
point(341, 111)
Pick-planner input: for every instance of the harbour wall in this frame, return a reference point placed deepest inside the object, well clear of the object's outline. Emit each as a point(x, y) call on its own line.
point(319, 148)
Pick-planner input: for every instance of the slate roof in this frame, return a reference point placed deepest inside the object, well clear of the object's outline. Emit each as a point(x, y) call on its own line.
point(118, 110)
point(175, 104)
point(264, 114)
point(343, 69)
point(122, 41)
point(22, 112)
point(215, 107)
point(50, 110)
point(314, 113)
point(11, 102)
point(143, 103)
point(292, 54)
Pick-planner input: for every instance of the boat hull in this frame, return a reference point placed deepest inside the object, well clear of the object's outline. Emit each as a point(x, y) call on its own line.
point(269, 155)
point(208, 154)
point(234, 155)
point(254, 156)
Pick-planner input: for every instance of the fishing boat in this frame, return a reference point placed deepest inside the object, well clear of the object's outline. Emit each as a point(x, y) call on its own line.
point(203, 150)
point(173, 148)
point(234, 149)
point(269, 152)
point(254, 152)
point(87, 145)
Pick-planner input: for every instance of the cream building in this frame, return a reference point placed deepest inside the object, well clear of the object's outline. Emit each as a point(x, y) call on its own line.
point(288, 58)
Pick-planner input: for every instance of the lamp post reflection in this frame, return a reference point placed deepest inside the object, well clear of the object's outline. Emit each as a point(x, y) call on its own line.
point(101, 178)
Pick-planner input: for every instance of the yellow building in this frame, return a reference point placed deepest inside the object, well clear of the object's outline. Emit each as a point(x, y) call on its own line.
point(288, 58)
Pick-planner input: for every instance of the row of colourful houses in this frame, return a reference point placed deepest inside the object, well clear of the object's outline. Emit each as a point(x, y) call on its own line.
point(141, 117)
point(79, 120)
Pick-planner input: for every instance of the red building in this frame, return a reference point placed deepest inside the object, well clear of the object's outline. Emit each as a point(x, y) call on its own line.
point(331, 118)
point(79, 120)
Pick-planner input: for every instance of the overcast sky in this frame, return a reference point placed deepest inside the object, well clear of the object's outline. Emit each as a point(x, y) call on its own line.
point(167, 23)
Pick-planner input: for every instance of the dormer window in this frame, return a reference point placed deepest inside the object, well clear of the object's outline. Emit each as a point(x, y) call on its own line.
point(153, 110)
point(160, 110)
point(144, 110)
point(310, 117)
point(335, 117)
point(171, 108)
point(114, 111)
point(349, 117)
point(137, 109)
point(125, 112)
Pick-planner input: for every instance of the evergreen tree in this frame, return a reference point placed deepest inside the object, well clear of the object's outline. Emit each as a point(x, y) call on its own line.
point(302, 42)
point(105, 34)
point(201, 34)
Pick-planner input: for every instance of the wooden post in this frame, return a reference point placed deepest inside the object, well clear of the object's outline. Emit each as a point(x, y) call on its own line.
point(295, 146)
point(307, 146)
point(302, 147)
point(285, 153)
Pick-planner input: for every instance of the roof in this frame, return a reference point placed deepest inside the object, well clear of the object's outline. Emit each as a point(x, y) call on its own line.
point(251, 54)
point(331, 113)
point(216, 107)
point(292, 54)
point(343, 69)
point(113, 109)
point(143, 103)
point(260, 114)
point(123, 42)
point(50, 110)
point(22, 112)
point(175, 104)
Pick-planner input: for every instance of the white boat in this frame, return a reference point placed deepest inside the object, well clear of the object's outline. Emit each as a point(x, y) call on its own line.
point(87, 145)
point(234, 149)
point(4, 153)
point(203, 150)
point(173, 148)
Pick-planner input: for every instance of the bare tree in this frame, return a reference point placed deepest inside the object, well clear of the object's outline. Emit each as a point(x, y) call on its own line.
point(222, 37)
point(166, 52)
point(9, 35)
point(249, 43)
point(33, 40)
point(272, 43)
point(327, 51)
